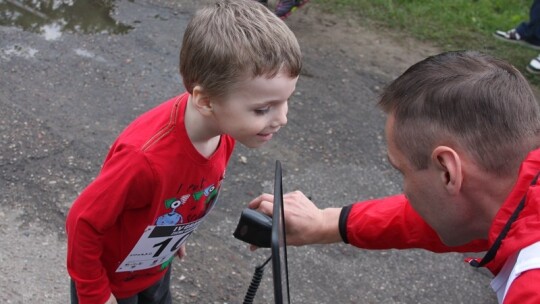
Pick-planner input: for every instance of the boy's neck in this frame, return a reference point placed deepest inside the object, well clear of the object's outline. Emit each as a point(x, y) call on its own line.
point(200, 131)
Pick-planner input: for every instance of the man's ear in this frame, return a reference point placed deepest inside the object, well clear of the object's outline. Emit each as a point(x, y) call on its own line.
point(201, 101)
point(447, 161)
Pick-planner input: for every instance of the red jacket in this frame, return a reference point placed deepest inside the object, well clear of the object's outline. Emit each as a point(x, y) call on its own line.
point(152, 176)
point(392, 223)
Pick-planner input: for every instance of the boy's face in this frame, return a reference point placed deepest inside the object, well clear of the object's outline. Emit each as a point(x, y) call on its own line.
point(255, 109)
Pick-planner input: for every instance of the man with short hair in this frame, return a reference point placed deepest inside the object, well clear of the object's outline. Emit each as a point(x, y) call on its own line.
point(463, 130)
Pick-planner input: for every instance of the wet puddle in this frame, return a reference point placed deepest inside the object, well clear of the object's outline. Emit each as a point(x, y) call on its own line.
point(51, 18)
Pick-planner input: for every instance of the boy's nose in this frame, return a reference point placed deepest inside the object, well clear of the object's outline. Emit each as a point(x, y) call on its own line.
point(281, 116)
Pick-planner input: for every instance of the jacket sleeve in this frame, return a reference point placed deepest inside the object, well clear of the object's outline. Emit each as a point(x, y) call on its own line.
point(391, 223)
point(524, 289)
point(121, 182)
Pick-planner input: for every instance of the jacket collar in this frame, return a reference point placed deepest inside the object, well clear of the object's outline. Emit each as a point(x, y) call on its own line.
point(520, 234)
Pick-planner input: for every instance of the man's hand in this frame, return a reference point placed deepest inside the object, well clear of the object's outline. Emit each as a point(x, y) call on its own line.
point(305, 223)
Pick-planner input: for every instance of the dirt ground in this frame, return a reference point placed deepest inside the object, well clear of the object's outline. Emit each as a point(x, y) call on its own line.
point(218, 268)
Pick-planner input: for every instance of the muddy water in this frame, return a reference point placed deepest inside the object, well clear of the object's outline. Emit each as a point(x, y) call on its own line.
point(53, 17)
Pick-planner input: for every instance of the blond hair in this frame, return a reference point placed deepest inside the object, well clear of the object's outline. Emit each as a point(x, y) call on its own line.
point(231, 41)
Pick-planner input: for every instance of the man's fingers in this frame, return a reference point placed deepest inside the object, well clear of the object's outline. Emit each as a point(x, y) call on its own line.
point(262, 203)
point(254, 204)
point(266, 207)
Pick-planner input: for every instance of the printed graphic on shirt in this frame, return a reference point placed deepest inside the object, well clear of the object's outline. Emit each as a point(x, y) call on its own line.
point(160, 242)
point(172, 218)
point(175, 217)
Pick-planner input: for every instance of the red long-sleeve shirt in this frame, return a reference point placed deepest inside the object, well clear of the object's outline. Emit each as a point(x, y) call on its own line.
point(153, 175)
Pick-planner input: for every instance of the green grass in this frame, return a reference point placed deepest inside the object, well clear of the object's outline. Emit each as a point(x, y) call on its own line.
point(447, 24)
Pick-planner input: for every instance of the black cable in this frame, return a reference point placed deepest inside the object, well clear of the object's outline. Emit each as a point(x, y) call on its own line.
point(255, 282)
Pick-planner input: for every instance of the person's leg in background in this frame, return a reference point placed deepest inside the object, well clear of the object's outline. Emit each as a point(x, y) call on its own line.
point(530, 30)
point(526, 33)
point(285, 7)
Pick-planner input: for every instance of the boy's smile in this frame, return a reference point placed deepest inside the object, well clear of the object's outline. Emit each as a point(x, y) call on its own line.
point(266, 137)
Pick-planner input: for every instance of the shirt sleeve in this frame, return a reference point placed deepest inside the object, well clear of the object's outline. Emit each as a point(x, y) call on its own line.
point(391, 223)
point(124, 179)
point(524, 289)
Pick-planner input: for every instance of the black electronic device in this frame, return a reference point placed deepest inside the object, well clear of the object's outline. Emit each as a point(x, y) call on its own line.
point(280, 269)
point(254, 228)
point(263, 231)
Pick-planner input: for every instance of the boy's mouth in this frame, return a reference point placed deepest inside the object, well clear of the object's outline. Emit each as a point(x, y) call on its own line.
point(266, 136)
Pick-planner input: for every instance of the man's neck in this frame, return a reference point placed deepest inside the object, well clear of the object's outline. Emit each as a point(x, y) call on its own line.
point(488, 193)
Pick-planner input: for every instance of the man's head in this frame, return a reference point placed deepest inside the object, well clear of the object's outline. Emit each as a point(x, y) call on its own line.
point(459, 125)
point(232, 41)
point(469, 100)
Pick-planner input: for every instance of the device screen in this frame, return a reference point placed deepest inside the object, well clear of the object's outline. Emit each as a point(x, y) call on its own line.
point(280, 269)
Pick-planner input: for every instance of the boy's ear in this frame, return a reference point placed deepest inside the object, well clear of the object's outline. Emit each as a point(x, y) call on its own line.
point(448, 163)
point(201, 101)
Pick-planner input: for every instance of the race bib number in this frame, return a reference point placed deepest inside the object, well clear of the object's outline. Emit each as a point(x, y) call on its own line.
point(157, 245)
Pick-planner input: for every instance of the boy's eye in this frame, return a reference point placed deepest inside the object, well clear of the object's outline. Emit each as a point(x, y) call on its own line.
point(262, 111)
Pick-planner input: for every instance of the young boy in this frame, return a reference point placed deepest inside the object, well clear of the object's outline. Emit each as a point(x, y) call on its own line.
point(239, 63)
